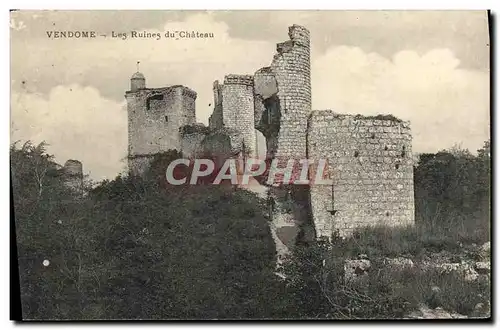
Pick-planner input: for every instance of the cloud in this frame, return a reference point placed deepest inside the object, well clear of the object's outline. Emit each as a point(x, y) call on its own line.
point(88, 123)
point(108, 63)
point(77, 123)
point(445, 104)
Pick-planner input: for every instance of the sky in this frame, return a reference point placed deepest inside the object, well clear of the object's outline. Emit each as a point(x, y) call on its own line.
point(428, 67)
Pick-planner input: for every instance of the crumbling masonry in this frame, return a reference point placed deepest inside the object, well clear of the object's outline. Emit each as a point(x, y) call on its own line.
point(369, 158)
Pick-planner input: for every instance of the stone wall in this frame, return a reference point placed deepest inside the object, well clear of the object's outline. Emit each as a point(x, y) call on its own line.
point(223, 144)
point(370, 162)
point(267, 111)
point(369, 158)
point(139, 164)
point(191, 144)
point(192, 137)
point(215, 121)
point(154, 118)
point(73, 175)
point(282, 104)
point(291, 68)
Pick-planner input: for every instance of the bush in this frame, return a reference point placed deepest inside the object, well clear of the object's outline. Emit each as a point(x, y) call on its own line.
point(452, 193)
point(316, 288)
point(139, 248)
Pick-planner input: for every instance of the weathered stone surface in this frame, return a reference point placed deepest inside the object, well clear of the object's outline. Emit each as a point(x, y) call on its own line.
point(73, 175)
point(191, 137)
point(370, 163)
point(356, 271)
point(234, 108)
point(223, 144)
point(292, 69)
point(154, 118)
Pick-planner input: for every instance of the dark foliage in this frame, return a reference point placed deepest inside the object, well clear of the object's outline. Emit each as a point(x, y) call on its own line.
point(140, 248)
point(135, 249)
point(452, 192)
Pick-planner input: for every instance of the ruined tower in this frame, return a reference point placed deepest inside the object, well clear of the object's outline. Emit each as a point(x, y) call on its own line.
point(282, 104)
point(284, 90)
point(154, 118)
point(73, 175)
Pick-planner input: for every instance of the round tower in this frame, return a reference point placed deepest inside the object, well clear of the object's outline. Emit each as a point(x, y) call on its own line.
point(137, 81)
point(73, 175)
point(238, 108)
point(73, 168)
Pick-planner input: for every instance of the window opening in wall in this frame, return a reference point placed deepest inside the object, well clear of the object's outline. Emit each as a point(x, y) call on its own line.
point(356, 153)
point(386, 214)
point(385, 148)
point(397, 166)
point(373, 135)
point(166, 119)
point(403, 153)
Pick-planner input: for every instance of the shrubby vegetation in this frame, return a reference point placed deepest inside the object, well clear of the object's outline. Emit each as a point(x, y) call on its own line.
point(132, 249)
point(135, 248)
point(316, 287)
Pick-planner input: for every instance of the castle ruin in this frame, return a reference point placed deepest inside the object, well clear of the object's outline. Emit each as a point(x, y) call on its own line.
point(155, 116)
point(369, 158)
point(73, 176)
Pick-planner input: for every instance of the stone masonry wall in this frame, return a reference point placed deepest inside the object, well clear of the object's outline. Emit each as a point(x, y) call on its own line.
point(291, 68)
point(238, 107)
point(154, 119)
point(265, 86)
point(267, 112)
point(222, 144)
point(138, 165)
point(191, 144)
point(73, 175)
point(371, 164)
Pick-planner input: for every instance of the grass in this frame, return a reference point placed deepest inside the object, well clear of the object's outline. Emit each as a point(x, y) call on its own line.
point(413, 286)
point(414, 241)
point(394, 292)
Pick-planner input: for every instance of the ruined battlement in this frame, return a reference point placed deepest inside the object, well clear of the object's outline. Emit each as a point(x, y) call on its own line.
point(299, 34)
point(325, 116)
point(169, 90)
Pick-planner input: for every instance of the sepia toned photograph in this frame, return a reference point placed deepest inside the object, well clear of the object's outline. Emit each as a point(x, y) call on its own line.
point(250, 165)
